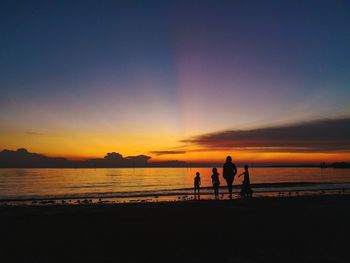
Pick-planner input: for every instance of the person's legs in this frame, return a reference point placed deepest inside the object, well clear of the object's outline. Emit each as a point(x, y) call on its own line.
point(196, 191)
point(250, 192)
point(229, 186)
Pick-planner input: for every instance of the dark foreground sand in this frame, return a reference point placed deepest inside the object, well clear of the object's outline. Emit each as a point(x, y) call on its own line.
point(294, 229)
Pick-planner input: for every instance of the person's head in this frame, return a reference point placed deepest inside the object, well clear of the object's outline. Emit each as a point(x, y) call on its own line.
point(215, 171)
point(197, 173)
point(246, 167)
point(228, 159)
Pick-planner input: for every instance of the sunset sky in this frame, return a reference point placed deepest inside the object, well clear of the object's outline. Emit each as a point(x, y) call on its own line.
point(264, 81)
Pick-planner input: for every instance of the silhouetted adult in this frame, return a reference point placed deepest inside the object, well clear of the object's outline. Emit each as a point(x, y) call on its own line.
point(229, 172)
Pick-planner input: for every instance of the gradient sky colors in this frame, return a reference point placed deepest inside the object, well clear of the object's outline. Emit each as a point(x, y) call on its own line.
point(82, 78)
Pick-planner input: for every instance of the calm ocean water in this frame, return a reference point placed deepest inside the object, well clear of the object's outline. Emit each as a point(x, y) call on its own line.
point(128, 182)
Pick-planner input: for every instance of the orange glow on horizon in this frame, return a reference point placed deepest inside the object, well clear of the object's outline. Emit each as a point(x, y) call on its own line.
point(82, 146)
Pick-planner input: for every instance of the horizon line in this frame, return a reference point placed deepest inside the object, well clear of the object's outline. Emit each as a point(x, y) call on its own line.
point(204, 162)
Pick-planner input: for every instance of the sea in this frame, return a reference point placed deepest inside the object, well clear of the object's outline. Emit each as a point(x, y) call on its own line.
point(42, 186)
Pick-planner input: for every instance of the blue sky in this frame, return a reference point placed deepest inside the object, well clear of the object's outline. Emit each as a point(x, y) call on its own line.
point(103, 69)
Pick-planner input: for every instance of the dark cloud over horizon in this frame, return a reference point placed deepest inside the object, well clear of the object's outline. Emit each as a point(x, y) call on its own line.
point(158, 153)
point(34, 133)
point(23, 158)
point(317, 136)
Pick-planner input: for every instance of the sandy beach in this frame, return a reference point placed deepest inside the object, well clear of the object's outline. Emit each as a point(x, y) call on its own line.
point(279, 229)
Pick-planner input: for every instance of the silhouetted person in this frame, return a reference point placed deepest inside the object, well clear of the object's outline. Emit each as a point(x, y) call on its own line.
point(246, 191)
point(216, 182)
point(197, 183)
point(229, 172)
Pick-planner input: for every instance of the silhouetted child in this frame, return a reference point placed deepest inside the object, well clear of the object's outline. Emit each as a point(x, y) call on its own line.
point(246, 190)
point(197, 183)
point(216, 182)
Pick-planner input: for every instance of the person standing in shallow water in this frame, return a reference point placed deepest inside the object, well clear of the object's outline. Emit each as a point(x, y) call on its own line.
point(246, 190)
point(197, 183)
point(229, 173)
point(216, 182)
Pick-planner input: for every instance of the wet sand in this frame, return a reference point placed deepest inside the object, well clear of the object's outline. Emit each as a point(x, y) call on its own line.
point(279, 229)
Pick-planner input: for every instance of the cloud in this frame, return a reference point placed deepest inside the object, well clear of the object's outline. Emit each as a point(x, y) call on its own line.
point(34, 133)
point(23, 158)
point(316, 136)
point(158, 153)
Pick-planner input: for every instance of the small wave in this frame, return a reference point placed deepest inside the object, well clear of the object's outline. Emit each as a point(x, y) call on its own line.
point(89, 186)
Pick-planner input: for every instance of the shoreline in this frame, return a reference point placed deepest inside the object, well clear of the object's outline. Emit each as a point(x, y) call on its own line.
point(275, 190)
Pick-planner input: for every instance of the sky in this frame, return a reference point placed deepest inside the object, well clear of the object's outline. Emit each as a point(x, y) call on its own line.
point(177, 80)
